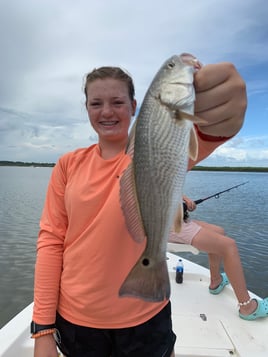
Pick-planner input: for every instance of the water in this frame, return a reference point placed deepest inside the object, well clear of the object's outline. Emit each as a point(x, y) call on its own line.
point(21, 200)
point(243, 212)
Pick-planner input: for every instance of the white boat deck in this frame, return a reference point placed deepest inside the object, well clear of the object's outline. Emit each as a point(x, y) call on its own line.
point(206, 325)
point(209, 325)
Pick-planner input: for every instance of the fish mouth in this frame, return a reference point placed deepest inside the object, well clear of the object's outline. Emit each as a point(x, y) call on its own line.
point(191, 60)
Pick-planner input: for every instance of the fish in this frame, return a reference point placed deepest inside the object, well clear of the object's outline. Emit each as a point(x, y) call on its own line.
point(160, 144)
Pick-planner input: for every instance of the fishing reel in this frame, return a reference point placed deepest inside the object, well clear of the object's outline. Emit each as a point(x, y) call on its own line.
point(186, 215)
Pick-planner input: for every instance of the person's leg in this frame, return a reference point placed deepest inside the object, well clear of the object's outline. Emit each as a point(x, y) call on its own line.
point(213, 227)
point(214, 259)
point(224, 247)
point(188, 231)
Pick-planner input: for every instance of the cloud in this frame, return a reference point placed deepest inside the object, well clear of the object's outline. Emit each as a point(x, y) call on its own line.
point(48, 46)
point(241, 152)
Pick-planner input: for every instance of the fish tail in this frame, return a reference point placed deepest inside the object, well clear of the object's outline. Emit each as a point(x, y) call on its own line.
point(148, 281)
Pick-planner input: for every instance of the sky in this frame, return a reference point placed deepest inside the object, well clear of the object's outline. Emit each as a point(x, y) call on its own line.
point(48, 46)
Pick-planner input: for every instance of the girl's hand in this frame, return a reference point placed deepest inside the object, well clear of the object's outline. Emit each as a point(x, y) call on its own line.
point(221, 99)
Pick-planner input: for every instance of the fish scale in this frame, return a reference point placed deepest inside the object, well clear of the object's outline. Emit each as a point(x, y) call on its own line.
point(164, 161)
point(151, 188)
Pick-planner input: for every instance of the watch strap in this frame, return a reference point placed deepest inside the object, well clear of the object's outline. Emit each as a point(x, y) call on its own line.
point(37, 327)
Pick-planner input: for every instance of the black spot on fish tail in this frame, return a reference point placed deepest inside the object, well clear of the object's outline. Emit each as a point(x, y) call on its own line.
point(148, 280)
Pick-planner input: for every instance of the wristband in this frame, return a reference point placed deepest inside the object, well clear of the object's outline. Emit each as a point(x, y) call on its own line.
point(44, 333)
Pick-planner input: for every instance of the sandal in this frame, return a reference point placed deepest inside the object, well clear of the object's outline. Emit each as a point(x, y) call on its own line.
point(261, 311)
point(224, 282)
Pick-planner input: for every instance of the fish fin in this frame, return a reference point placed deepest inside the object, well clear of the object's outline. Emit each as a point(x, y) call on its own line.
point(193, 118)
point(130, 206)
point(193, 145)
point(148, 280)
point(131, 141)
point(178, 219)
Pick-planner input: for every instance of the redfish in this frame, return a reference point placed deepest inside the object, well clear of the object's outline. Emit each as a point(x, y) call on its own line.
point(151, 188)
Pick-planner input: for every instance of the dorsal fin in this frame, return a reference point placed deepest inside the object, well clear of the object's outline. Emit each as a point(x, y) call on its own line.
point(130, 206)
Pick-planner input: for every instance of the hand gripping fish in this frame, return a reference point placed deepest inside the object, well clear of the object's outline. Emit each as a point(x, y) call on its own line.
point(161, 142)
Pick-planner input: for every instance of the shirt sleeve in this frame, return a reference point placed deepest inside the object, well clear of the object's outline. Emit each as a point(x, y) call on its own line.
point(206, 145)
point(48, 268)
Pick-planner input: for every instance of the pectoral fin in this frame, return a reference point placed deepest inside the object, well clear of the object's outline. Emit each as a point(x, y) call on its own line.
point(193, 118)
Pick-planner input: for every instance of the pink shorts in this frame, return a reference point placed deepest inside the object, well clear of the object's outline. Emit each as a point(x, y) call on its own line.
point(188, 231)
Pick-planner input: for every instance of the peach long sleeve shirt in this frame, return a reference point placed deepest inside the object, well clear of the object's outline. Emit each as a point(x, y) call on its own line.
point(84, 251)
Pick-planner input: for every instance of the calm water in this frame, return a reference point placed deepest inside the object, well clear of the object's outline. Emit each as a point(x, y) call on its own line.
point(243, 212)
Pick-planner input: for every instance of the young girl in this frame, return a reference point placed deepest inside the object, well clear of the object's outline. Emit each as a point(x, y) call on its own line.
point(84, 251)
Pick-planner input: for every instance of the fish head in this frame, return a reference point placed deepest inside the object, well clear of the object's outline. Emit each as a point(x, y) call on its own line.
point(173, 84)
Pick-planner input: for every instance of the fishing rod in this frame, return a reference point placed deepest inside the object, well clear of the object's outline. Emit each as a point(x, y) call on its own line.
point(216, 195)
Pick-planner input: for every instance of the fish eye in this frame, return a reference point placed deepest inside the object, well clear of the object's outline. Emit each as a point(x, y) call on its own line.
point(171, 65)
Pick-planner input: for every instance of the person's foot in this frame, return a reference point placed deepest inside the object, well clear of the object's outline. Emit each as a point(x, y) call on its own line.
point(214, 283)
point(248, 309)
point(254, 310)
point(216, 286)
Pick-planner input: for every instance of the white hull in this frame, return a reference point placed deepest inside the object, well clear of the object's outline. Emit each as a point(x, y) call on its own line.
point(205, 324)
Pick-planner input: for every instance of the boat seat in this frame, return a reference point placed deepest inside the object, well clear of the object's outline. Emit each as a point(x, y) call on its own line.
point(180, 247)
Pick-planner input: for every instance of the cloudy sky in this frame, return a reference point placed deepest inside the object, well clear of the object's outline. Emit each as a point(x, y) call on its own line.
point(47, 47)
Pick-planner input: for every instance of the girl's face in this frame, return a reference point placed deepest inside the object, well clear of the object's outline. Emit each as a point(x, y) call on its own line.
point(110, 109)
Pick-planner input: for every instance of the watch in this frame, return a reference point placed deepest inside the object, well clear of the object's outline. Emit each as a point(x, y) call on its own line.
point(37, 327)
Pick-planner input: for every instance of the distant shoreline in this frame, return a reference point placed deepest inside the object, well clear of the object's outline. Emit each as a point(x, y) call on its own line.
point(27, 164)
point(230, 168)
point(196, 168)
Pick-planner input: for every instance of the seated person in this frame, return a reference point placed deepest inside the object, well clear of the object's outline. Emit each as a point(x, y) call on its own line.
point(221, 249)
